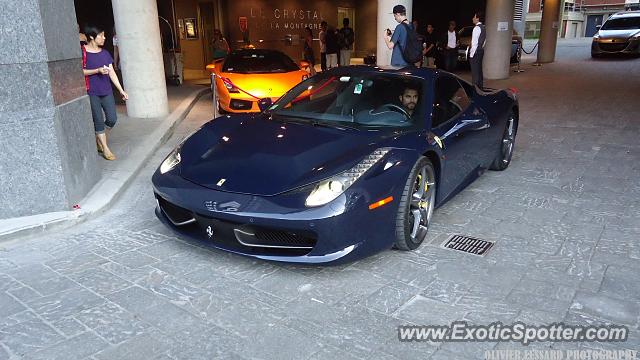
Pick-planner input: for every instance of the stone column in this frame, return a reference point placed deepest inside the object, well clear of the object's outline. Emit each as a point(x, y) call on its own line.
point(141, 57)
point(49, 160)
point(550, 25)
point(386, 21)
point(497, 51)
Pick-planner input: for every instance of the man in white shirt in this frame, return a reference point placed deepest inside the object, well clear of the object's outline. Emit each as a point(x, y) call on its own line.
point(451, 48)
point(476, 53)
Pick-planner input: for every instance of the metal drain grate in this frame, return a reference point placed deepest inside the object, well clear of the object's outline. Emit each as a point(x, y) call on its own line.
point(468, 244)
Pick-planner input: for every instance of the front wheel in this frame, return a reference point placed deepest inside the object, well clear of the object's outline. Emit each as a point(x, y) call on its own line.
point(416, 206)
point(503, 158)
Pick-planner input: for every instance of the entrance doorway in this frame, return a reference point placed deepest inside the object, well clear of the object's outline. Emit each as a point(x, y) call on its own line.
point(592, 22)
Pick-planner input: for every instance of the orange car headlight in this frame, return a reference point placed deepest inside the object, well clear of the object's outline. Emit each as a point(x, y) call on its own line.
point(231, 88)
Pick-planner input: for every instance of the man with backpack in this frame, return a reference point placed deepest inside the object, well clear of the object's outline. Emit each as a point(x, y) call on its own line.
point(346, 39)
point(404, 40)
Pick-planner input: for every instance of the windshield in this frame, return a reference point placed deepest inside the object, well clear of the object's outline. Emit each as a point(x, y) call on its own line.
point(368, 100)
point(258, 61)
point(626, 23)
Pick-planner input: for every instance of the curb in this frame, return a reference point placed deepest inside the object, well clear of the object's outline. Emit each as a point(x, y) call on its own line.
point(108, 189)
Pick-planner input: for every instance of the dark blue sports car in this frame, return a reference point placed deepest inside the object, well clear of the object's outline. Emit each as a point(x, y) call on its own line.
point(346, 164)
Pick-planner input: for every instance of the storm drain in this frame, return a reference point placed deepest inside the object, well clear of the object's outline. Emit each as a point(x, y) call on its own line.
point(468, 244)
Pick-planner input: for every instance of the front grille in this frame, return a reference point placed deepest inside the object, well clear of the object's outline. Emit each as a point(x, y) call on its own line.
point(176, 214)
point(283, 239)
point(613, 47)
point(241, 104)
point(468, 244)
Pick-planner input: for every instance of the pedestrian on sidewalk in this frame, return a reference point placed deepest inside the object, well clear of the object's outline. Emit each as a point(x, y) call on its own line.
point(99, 68)
point(323, 45)
point(332, 47)
point(346, 38)
point(429, 51)
point(397, 40)
point(309, 55)
point(450, 46)
point(476, 53)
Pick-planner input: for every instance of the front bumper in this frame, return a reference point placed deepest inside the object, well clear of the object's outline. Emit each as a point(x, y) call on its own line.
point(277, 227)
point(615, 46)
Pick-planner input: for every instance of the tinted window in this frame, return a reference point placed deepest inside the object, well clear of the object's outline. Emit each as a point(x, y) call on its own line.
point(627, 23)
point(258, 61)
point(450, 100)
point(361, 100)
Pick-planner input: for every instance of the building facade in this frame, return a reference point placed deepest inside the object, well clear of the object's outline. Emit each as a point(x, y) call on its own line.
point(579, 18)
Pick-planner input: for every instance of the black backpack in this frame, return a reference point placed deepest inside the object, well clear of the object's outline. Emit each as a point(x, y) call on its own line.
point(412, 51)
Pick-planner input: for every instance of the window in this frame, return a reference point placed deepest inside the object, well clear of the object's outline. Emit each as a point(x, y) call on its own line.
point(359, 100)
point(450, 100)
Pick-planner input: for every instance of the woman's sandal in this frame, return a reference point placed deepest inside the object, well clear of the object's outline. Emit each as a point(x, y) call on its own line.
point(100, 150)
point(109, 157)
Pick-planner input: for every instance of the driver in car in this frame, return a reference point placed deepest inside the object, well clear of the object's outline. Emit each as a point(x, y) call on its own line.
point(409, 99)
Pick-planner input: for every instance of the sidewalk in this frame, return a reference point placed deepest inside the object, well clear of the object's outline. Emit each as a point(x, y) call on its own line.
point(133, 141)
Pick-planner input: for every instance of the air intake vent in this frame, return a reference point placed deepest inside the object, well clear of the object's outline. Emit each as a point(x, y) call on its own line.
point(468, 244)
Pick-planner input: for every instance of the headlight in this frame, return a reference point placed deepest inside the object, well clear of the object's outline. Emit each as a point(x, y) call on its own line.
point(171, 161)
point(231, 88)
point(329, 189)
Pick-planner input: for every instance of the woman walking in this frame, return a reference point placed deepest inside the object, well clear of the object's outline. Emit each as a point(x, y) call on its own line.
point(309, 56)
point(98, 67)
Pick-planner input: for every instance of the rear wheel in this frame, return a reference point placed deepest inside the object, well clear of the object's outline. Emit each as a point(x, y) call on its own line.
point(503, 158)
point(416, 206)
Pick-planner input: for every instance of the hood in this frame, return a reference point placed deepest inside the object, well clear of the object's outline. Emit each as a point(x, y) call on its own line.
point(266, 85)
point(258, 156)
point(618, 34)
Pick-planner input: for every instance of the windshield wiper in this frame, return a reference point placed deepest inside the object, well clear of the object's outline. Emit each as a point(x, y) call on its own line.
point(308, 120)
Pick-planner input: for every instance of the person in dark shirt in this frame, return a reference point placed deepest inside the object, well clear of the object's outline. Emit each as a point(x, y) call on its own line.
point(429, 48)
point(99, 68)
point(331, 39)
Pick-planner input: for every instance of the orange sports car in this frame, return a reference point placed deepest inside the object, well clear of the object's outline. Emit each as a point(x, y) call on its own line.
point(247, 75)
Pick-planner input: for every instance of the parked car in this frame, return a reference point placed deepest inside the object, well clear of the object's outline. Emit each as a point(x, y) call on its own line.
point(247, 75)
point(620, 34)
point(348, 163)
point(464, 37)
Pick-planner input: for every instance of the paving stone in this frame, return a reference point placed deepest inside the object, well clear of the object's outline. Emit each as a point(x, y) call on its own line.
point(422, 311)
point(599, 305)
point(275, 342)
point(231, 290)
point(165, 249)
point(58, 306)
point(149, 345)
point(206, 343)
point(133, 259)
point(147, 236)
point(284, 284)
point(135, 299)
point(445, 291)
point(69, 265)
point(43, 280)
point(78, 347)
point(330, 352)
point(242, 318)
point(389, 298)
point(28, 336)
point(23, 316)
point(100, 281)
point(531, 301)
point(169, 318)
point(112, 322)
point(127, 273)
point(4, 355)
point(621, 283)
point(69, 327)
point(9, 306)
point(173, 289)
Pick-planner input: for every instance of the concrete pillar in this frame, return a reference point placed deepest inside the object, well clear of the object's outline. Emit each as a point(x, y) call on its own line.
point(49, 160)
point(497, 51)
point(386, 21)
point(550, 25)
point(141, 53)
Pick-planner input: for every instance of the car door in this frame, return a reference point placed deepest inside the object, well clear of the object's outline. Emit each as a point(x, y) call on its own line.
point(461, 127)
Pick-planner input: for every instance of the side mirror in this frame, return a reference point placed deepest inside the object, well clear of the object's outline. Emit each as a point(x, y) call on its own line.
point(304, 64)
point(264, 104)
point(598, 27)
